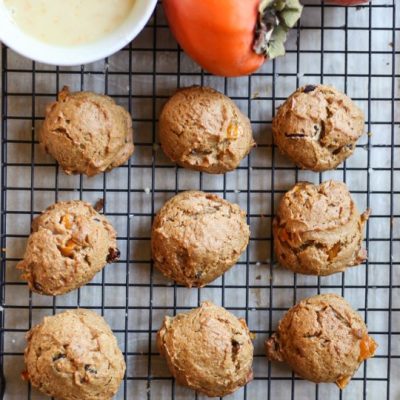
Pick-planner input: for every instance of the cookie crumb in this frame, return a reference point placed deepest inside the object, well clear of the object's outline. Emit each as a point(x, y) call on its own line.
point(99, 205)
point(113, 254)
point(309, 88)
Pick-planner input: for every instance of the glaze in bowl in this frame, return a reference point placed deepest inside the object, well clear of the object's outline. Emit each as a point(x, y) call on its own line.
point(30, 47)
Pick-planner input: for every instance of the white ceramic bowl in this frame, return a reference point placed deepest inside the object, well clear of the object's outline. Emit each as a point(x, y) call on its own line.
point(15, 38)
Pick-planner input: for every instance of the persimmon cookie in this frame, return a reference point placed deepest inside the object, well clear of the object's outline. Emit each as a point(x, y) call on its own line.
point(318, 229)
point(74, 355)
point(70, 242)
point(87, 133)
point(317, 127)
point(322, 339)
point(204, 130)
point(207, 349)
point(198, 236)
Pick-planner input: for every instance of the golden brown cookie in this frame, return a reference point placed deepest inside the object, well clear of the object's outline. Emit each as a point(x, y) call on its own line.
point(87, 133)
point(322, 339)
point(70, 242)
point(318, 127)
point(74, 355)
point(207, 349)
point(318, 229)
point(204, 130)
point(197, 236)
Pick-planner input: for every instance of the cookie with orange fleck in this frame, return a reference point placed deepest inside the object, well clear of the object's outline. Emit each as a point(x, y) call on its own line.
point(318, 229)
point(197, 236)
point(87, 133)
point(322, 339)
point(70, 242)
point(74, 355)
point(207, 349)
point(317, 127)
point(204, 130)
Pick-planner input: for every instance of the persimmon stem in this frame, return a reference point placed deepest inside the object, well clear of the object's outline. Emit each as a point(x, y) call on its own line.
point(276, 18)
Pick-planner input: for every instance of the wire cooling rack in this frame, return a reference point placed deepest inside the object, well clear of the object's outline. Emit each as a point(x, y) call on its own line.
point(355, 49)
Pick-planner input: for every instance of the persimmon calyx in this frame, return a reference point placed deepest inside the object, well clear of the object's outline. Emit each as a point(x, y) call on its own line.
point(277, 17)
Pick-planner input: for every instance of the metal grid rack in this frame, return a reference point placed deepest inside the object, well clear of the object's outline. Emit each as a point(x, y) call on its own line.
point(351, 48)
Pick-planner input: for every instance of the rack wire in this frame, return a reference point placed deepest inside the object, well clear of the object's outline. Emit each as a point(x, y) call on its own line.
point(355, 49)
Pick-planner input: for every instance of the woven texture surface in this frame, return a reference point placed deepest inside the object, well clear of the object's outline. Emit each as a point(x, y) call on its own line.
point(354, 49)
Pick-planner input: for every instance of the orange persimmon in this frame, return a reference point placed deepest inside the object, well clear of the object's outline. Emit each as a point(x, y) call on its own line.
point(368, 347)
point(231, 37)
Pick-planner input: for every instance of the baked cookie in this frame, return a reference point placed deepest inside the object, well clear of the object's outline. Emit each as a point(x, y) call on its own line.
point(207, 349)
point(70, 242)
point(204, 130)
point(322, 339)
point(197, 236)
point(318, 127)
point(74, 355)
point(318, 229)
point(87, 133)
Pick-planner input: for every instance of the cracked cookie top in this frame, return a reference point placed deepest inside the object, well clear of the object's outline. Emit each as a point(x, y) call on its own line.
point(70, 242)
point(317, 127)
point(318, 229)
point(87, 133)
point(74, 355)
point(207, 349)
point(198, 236)
point(204, 130)
point(322, 339)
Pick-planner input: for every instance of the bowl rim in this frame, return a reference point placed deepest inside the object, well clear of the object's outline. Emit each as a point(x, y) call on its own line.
point(50, 54)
